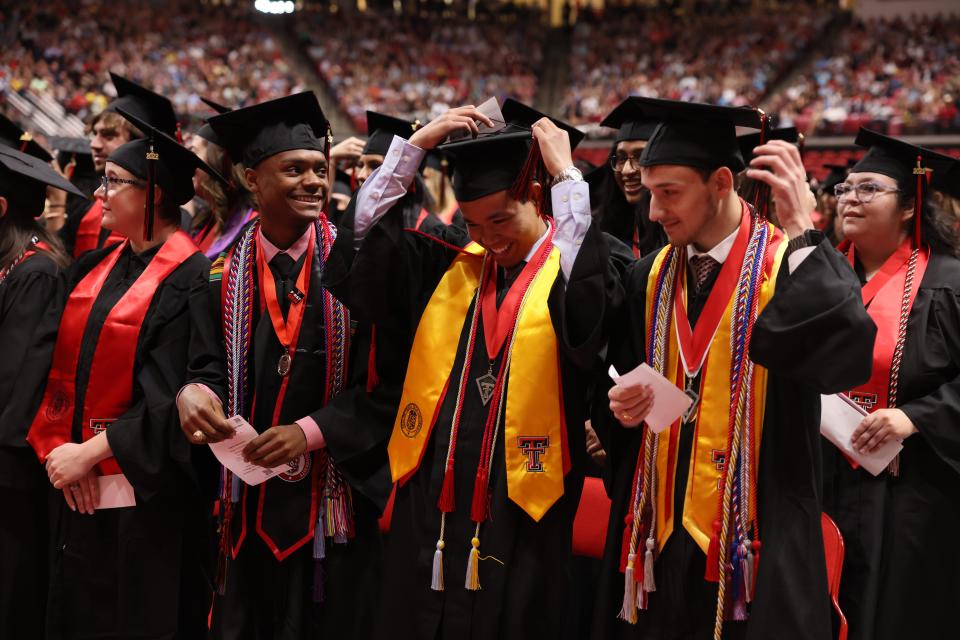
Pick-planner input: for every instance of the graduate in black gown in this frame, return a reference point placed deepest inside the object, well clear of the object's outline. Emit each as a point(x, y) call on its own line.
point(621, 204)
point(755, 529)
point(300, 553)
point(84, 230)
point(900, 573)
point(476, 550)
point(30, 261)
point(124, 497)
point(382, 128)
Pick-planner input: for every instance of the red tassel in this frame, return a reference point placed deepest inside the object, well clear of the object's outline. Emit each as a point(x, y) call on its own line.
point(478, 508)
point(446, 503)
point(179, 134)
point(373, 379)
point(712, 573)
point(625, 544)
point(755, 548)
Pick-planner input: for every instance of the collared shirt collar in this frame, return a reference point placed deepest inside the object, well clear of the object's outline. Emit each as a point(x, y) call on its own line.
point(719, 252)
point(296, 250)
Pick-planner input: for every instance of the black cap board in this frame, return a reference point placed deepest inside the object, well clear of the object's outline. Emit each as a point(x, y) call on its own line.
point(630, 122)
point(24, 179)
point(146, 105)
point(175, 166)
point(897, 159)
point(206, 131)
point(253, 134)
point(494, 161)
point(750, 141)
point(381, 128)
point(13, 136)
point(694, 134)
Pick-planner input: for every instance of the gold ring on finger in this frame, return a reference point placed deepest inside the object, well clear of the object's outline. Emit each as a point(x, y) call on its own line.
point(198, 435)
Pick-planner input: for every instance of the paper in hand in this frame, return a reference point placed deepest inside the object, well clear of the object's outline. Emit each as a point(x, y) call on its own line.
point(489, 108)
point(839, 418)
point(669, 402)
point(230, 454)
point(115, 492)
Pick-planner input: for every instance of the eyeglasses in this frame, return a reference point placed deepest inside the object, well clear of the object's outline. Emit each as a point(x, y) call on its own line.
point(106, 181)
point(619, 161)
point(866, 191)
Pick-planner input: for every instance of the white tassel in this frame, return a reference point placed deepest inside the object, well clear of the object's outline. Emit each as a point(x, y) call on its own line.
point(628, 612)
point(649, 585)
point(748, 569)
point(437, 582)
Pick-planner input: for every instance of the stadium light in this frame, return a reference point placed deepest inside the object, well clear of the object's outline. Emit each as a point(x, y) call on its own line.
point(274, 6)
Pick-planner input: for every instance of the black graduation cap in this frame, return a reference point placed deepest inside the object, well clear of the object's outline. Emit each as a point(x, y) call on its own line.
point(146, 105)
point(905, 163)
point(838, 174)
point(898, 159)
point(750, 141)
point(516, 114)
point(253, 134)
point(381, 128)
point(630, 122)
point(206, 131)
point(13, 136)
point(694, 134)
point(161, 161)
point(24, 179)
point(73, 155)
point(500, 160)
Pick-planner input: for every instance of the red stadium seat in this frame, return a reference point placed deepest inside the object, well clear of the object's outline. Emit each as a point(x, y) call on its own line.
point(833, 547)
point(590, 524)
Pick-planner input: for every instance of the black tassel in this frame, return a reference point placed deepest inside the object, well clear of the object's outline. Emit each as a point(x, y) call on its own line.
point(761, 198)
point(149, 217)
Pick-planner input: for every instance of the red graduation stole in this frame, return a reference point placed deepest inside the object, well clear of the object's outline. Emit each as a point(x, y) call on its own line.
point(889, 297)
point(88, 233)
point(110, 386)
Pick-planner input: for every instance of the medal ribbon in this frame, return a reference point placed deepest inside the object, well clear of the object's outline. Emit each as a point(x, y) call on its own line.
point(287, 330)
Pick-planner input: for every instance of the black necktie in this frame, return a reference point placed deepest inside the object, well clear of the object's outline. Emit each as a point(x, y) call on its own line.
point(505, 279)
point(282, 266)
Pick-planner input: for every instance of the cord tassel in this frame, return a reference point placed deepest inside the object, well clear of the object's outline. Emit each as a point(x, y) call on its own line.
point(478, 508)
point(473, 565)
point(712, 573)
point(628, 612)
point(436, 582)
point(748, 569)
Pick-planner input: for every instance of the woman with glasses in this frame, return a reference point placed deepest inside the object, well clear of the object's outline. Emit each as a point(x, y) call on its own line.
point(901, 566)
point(623, 204)
point(30, 261)
point(125, 511)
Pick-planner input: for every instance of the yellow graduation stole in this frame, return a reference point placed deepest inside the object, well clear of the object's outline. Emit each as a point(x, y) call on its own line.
point(533, 421)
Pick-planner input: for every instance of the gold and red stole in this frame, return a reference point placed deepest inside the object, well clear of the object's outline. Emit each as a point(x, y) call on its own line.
point(889, 297)
point(720, 509)
point(88, 233)
point(110, 384)
point(527, 394)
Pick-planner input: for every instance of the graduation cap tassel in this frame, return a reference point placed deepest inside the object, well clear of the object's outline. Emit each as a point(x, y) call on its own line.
point(179, 134)
point(332, 172)
point(921, 173)
point(442, 200)
point(70, 168)
point(373, 378)
point(761, 200)
point(533, 170)
point(150, 207)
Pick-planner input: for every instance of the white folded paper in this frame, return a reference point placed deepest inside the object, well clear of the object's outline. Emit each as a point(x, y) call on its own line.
point(230, 454)
point(839, 418)
point(115, 492)
point(669, 402)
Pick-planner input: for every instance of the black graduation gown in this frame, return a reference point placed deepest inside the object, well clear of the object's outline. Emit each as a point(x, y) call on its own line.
point(276, 597)
point(901, 574)
point(393, 275)
point(131, 572)
point(24, 298)
point(813, 337)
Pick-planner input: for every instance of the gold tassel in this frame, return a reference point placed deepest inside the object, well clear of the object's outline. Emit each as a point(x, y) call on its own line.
point(473, 565)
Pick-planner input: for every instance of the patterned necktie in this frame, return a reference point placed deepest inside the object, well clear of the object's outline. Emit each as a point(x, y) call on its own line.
point(282, 266)
point(703, 267)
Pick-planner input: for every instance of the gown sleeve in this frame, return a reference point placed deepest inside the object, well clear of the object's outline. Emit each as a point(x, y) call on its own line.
point(815, 330)
point(936, 415)
point(146, 440)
